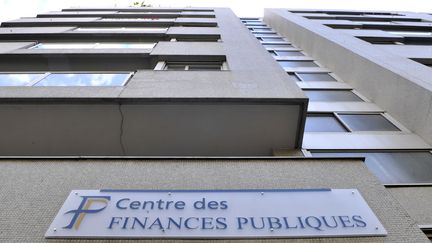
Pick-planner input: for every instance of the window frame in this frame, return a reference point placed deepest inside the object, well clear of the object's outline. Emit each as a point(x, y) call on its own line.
point(163, 65)
point(44, 75)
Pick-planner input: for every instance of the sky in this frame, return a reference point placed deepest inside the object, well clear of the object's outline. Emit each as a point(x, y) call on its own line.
point(13, 9)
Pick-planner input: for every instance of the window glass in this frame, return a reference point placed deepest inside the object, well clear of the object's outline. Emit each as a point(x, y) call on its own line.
point(315, 77)
point(123, 29)
point(294, 77)
point(94, 45)
point(297, 64)
point(413, 33)
point(331, 95)
point(289, 53)
point(18, 79)
point(84, 79)
point(277, 45)
point(125, 45)
point(137, 19)
point(271, 38)
point(367, 122)
point(194, 66)
point(323, 123)
point(394, 167)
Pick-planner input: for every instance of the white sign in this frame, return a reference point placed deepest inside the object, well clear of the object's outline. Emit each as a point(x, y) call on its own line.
point(215, 214)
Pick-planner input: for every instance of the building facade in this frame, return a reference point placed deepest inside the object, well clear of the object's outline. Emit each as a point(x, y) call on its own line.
point(198, 99)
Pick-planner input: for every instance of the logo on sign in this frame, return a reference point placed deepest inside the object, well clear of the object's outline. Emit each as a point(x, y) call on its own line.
point(85, 207)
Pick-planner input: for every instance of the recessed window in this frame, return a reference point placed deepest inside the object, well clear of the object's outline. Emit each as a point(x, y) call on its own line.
point(323, 123)
point(268, 39)
point(123, 29)
point(19, 79)
point(367, 122)
point(84, 79)
point(315, 77)
point(331, 95)
point(94, 46)
point(64, 79)
point(287, 53)
point(412, 33)
point(294, 76)
point(294, 64)
point(194, 66)
point(394, 167)
point(277, 45)
point(339, 122)
point(137, 19)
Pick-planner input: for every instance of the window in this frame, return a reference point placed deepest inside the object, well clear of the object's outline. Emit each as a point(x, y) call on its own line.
point(331, 95)
point(270, 38)
point(394, 167)
point(191, 66)
point(323, 123)
point(19, 79)
point(106, 45)
point(412, 33)
point(64, 79)
point(277, 45)
point(287, 53)
point(342, 122)
point(137, 19)
point(367, 122)
point(294, 64)
point(123, 29)
point(306, 77)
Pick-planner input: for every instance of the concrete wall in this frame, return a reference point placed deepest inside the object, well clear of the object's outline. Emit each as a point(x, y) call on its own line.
point(398, 85)
point(32, 191)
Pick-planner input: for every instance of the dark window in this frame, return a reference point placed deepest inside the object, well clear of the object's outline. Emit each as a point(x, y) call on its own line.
point(323, 123)
point(294, 76)
point(394, 167)
point(288, 53)
point(331, 95)
point(297, 64)
point(315, 77)
point(277, 45)
point(193, 66)
point(367, 122)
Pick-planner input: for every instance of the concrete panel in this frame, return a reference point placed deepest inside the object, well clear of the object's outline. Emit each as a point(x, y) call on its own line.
point(343, 106)
point(6, 47)
point(30, 202)
point(38, 30)
point(157, 128)
point(416, 201)
point(363, 140)
point(377, 74)
point(50, 20)
point(323, 85)
point(188, 48)
point(221, 129)
point(409, 51)
point(183, 20)
point(176, 30)
point(369, 33)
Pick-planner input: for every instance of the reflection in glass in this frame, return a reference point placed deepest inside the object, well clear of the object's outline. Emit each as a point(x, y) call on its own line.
point(323, 123)
point(367, 122)
point(123, 29)
point(297, 64)
point(18, 79)
point(94, 45)
point(84, 79)
point(315, 77)
point(331, 95)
